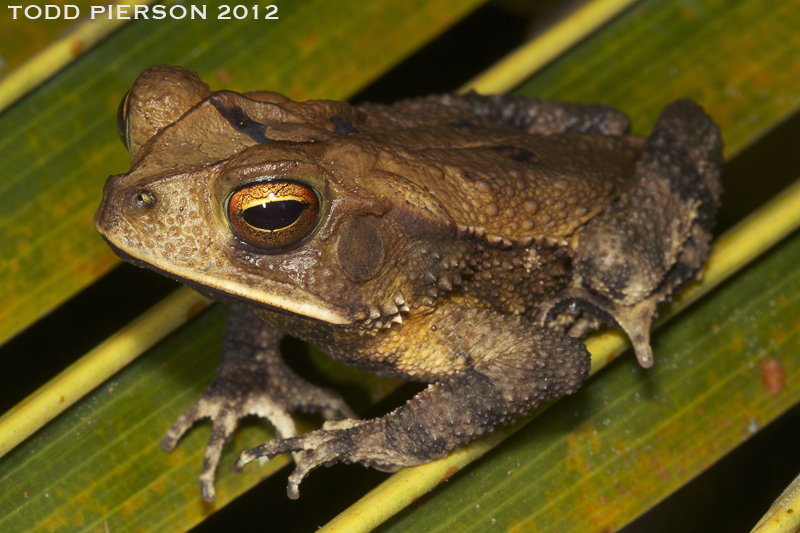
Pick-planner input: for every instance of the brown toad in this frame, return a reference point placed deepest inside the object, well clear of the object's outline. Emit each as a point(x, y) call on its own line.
point(463, 241)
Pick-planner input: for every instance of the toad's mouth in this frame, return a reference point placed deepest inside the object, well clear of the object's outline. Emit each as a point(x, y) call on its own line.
point(301, 302)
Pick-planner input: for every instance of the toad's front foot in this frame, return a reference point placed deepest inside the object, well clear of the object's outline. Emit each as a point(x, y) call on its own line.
point(226, 408)
point(251, 379)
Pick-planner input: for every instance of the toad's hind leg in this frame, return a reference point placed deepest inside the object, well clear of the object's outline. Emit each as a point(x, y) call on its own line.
point(634, 255)
point(509, 367)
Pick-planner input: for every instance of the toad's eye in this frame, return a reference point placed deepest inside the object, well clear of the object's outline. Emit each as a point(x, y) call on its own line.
point(122, 120)
point(273, 214)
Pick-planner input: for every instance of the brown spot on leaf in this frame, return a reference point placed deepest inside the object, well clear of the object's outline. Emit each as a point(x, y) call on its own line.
point(133, 504)
point(773, 376)
point(76, 47)
point(223, 76)
point(450, 471)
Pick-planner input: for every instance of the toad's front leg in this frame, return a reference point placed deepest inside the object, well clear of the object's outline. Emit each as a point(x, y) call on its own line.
point(502, 368)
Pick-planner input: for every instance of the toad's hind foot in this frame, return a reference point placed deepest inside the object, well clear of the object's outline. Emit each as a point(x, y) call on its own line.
point(634, 320)
point(318, 448)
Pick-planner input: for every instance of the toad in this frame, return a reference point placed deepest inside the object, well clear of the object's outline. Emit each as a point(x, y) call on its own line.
point(465, 241)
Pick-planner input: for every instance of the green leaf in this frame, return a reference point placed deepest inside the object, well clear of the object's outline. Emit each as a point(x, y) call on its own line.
point(782, 516)
point(91, 370)
point(100, 465)
point(737, 58)
point(23, 37)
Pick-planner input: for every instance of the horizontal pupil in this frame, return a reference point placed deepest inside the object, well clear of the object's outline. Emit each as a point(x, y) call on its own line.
point(273, 216)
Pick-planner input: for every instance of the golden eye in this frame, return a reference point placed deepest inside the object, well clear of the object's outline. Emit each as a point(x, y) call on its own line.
point(273, 214)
